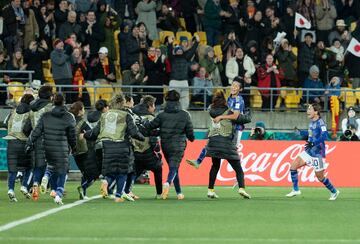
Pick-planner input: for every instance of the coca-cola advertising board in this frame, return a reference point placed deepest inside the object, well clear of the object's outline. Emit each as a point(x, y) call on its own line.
point(267, 163)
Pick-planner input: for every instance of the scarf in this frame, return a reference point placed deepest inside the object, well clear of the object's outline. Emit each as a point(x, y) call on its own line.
point(105, 65)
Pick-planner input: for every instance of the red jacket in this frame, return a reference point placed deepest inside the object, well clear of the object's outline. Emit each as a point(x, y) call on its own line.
point(265, 79)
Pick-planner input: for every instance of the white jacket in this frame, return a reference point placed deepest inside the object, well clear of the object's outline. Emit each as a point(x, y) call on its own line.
point(232, 68)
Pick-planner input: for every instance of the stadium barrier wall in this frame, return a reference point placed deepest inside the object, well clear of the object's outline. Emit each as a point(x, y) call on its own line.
point(267, 163)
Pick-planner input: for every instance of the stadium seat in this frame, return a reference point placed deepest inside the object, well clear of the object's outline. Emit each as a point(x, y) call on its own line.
point(348, 97)
point(15, 90)
point(183, 33)
point(357, 94)
point(104, 92)
point(255, 98)
point(182, 23)
point(218, 52)
point(46, 65)
point(164, 34)
point(202, 36)
point(292, 98)
point(156, 43)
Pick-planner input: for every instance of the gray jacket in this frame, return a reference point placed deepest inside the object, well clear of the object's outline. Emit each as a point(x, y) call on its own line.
point(61, 65)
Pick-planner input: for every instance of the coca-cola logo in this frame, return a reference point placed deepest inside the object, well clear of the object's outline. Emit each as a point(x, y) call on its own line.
point(270, 166)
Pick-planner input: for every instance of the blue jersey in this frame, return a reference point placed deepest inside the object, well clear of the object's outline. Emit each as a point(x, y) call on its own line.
point(237, 104)
point(317, 134)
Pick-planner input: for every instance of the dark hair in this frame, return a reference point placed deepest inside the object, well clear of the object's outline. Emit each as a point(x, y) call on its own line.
point(316, 107)
point(45, 92)
point(27, 98)
point(148, 100)
point(173, 96)
point(76, 107)
point(309, 34)
point(101, 104)
point(128, 97)
point(239, 80)
point(117, 101)
point(58, 99)
point(219, 99)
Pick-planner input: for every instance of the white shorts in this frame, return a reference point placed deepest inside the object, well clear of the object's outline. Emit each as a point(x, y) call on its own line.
point(316, 162)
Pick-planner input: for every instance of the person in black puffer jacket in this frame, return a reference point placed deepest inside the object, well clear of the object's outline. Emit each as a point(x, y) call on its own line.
point(93, 118)
point(58, 130)
point(38, 107)
point(175, 127)
point(19, 128)
point(84, 155)
point(147, 153)
point(114, 131)
point(221, 145)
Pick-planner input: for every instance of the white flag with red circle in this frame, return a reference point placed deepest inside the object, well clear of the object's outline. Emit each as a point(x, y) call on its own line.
point(301, 21)
point(354, 47)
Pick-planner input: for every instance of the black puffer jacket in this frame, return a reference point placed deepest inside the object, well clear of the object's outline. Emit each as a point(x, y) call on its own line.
point(175, 126)
point(58, 130)
point(148, 157)
point(39, 151)
point(220, 146)
point(16, 157)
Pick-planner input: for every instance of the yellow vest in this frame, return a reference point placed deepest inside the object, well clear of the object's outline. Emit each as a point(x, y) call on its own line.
point(223, 128)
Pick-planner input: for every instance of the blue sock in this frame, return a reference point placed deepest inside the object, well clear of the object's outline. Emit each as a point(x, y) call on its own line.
point(328, 185)
point(294, 179)
point(201, 156)
point(11, 180)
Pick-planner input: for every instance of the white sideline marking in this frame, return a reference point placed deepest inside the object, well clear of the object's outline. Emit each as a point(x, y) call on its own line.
point(167, 239)
point(44, 214)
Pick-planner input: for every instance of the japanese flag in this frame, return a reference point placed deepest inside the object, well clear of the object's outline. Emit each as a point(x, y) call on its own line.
point(301, 21)
point(354, 47)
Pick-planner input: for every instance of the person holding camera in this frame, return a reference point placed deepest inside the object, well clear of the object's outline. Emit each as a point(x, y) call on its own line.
point(350, 126)
point(260, 133)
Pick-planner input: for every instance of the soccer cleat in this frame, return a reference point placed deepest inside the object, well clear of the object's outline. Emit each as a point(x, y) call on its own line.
point(81, 193)
point(127, 197)
point(86, 198)
point(44, 184)
point(193, 163)
point(212, 194)
point(157, 197)
point(333, 196)
point(58, 200)
point(165, 192)
point(294, 193)
point(119, 199)
point(53, 194)
point(25, 192)
point(12, 196)
point(35, 193)
point(180, 196)
point(135, 197)
point(243, 193)
point(104, 189)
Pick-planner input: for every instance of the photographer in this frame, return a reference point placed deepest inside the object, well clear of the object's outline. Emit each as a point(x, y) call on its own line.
point(260, 133)
point(350, 126)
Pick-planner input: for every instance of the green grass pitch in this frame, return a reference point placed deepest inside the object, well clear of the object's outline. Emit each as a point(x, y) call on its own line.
point(268, 217)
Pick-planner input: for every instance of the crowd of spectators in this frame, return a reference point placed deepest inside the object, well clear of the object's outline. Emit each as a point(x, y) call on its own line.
point(78, 37)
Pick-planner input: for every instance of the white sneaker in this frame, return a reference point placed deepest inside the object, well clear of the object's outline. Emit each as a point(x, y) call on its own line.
point(58, 200)
point(44, 184)
point(25, 192)
point(12, 196)
point(212, 194)
point(333, 196)
point(294, 193)
point(244, 194)
point(127, 197)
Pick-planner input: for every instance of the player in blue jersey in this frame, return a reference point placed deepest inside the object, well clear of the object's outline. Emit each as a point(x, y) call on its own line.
point(237, 106)
point(313, 154)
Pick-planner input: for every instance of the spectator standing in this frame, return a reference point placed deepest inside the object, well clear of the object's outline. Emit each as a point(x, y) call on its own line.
point(307, 9)
point(306, 57)
point(286, 59)
point(313, 81)
point(61, 66)
point(123, 36)
point(352, 64)
point(34, 55)
point(84, 6)
point(232, 23)
point(255, 29)
point(212, 21)
point(191, 11)
point(231, 43)
point(340, 33)
point(61, 15)
point(166, 20)
point(110, 26)
point(325, 15)
point(94, 33)
point(69, 27)
point(132, 47)
point(79, 72)
point(31, 28)
point(146, 10)
point(46, 25)
point(125, 9)
point(287, 22)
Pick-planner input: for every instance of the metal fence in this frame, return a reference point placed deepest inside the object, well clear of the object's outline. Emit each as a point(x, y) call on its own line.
point(267, 99)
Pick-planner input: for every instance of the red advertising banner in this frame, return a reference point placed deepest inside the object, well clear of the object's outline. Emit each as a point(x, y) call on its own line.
point(267, 163)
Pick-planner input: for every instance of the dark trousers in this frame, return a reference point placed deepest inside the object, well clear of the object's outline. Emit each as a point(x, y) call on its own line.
point(66, 91)
point(235, 164)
